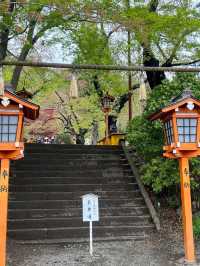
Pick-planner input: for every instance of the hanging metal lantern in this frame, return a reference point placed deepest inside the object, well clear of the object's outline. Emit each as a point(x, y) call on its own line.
point(142, 94)
point(73, 92)
point(106, 102)
point(1, 81)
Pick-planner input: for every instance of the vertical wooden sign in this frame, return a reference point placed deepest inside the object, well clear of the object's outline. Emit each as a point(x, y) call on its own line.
point(186, 210)
point(4, 180)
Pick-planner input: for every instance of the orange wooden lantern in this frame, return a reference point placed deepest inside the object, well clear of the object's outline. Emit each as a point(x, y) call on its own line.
point(181, 123)
point(107, 101)
point(12, 112)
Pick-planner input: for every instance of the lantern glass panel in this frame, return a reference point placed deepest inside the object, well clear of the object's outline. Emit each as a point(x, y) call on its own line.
point(8, 128)
point(169, 132)
point(106, 102)
point(187, 129)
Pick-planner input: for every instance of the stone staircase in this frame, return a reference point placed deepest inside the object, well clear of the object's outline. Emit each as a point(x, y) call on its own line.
point(46, 189)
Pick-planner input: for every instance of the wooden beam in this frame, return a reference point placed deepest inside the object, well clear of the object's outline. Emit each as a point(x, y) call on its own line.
point(100, 67)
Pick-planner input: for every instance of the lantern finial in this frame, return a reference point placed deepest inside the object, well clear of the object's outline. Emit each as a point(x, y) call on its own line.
point(186, 93)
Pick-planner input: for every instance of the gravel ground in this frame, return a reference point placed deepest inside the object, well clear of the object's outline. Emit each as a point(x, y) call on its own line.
point(160, 249)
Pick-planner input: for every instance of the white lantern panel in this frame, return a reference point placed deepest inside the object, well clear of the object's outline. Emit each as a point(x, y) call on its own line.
point(193, 122)
point(12, 137)
point(8, 128)
point(193, 138)
point(12, 129)
point(4, 137)
point(187, 130)
point(187, 138)
point(180, 122)
point(5, 129)
point(5, 119)
point(180, 130)
point(13, 119)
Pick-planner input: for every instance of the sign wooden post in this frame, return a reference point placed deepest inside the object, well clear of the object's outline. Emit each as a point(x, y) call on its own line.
point(3, 208)
point(91, 239)
point(90, 213)
point(186, 210)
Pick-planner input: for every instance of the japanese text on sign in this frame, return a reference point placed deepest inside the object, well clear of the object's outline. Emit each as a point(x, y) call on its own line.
point(90, 208)
point(3, 189)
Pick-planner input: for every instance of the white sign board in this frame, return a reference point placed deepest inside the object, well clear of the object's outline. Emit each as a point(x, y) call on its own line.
point(90, 208)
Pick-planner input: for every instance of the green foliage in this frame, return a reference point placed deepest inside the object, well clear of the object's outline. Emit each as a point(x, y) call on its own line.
point(160, 173)
point(63, 138)
point(196, 226)
point(91, 45)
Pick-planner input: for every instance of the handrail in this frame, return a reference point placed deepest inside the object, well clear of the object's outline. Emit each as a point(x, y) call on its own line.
point(144, 193)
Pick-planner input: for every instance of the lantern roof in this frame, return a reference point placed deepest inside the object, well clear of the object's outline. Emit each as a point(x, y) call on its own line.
point(31, 110)
point(183, 98)
point(109, 96)
point(25, 94)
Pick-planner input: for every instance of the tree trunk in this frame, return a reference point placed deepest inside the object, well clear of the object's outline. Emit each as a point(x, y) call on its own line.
point(30, 41)
point(154, 78)
point(3, 43)
point(18, 69)
point(4, 34)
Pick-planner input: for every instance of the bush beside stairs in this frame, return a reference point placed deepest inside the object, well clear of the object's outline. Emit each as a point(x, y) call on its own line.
point(46, 187)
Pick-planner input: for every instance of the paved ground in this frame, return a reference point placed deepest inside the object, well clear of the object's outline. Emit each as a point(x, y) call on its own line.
point(163, 249)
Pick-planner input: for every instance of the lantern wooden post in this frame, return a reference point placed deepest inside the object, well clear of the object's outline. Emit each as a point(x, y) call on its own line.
point(4, 179)
point(181, 121)
point(13, 109)
point(186, 210)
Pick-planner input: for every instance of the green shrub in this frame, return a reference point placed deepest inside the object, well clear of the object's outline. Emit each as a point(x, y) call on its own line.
point(63, 138)
point(196, 226)
point(147, 137)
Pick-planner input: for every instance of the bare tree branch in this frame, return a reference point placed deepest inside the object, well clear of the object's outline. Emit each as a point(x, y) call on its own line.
point(161, 51)
point(186, 63)
point(60, 98)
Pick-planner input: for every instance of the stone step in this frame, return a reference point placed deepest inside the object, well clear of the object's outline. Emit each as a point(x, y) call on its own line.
point(55, 152)
point(112, 172)
point(71, 167)
point(73, 187)
point(53, 204)
point(64, 241)
point(72, 195)
point(68, 180)
point(75, 212)
point(61, 158)
point(73, 232)
point(68, 161)
point(31, 146)
point(77, 222)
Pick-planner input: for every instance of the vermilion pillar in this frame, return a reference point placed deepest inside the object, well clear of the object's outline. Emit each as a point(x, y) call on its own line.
point(186, 210)
point(4, 179)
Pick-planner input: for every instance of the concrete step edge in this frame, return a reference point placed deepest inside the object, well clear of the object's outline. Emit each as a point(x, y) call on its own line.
point(82, 240)
point(78, 218)
point(86, 228)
